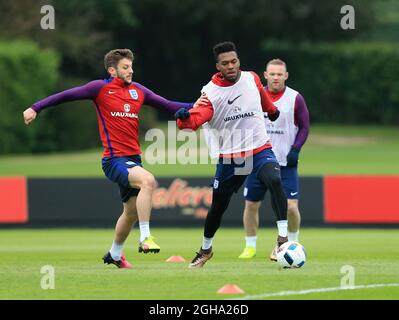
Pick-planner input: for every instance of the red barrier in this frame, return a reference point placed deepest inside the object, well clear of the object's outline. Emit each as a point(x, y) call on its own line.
point(361, 199)
point(13, 200)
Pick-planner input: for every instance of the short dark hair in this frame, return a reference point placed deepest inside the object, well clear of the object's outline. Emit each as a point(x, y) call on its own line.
point(112, 58)
point(276, 62)
point(223, 47)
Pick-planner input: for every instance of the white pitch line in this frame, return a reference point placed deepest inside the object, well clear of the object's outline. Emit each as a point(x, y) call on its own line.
point(316, 290)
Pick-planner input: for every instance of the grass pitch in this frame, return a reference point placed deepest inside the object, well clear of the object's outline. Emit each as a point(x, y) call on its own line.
point(80, 274)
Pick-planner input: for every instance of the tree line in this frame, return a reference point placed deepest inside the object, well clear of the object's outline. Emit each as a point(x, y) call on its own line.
point(172, 42)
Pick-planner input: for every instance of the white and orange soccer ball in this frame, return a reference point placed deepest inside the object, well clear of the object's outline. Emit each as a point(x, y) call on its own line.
point(291, 255)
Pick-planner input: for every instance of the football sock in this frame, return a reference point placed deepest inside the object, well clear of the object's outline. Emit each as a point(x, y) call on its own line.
point(282, 226)
point(293, 236)
point(144, 230)
point(251, 241)
point(116, 251)
point(206, 243)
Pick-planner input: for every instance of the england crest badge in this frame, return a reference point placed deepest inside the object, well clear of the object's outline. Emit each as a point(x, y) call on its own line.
point(134, 94)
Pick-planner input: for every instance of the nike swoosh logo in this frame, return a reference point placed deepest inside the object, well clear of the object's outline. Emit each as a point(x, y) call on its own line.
point(294, 193)
point(231, 101)
point(111, 92)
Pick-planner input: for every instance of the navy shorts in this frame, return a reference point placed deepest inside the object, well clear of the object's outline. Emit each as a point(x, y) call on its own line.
point(115, 169)
point(229, 177)
point(255, 190)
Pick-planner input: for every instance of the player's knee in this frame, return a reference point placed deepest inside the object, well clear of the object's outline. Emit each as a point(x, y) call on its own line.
point(292, 205)
point(252, 207)
point(220, 201)
point(269, 174)
point(131, 214)
point(149, 183)
point(275, 181)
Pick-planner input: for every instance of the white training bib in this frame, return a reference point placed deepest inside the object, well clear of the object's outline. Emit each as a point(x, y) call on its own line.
point(238, 122)
point(283, 131)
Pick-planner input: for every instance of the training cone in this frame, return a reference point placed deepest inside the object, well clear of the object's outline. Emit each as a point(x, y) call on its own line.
point(230, 289)
point(176, 259)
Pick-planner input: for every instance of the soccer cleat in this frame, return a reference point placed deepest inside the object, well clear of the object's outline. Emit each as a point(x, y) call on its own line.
point(273, 255)
point(248, 253)
point(201, 257)
point(122, 263)
point(280, 241)
point(148, 245)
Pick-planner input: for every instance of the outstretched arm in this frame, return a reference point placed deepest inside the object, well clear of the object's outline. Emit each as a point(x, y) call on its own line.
point(154, 100)
point(197, 116)
point(87, 91)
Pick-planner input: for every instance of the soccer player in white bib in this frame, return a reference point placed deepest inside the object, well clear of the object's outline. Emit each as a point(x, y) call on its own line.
point(288, 134)
point(235, 126)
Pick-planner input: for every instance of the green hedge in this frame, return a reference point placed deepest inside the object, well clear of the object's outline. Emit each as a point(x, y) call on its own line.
point(27, 74)
point(351, 83)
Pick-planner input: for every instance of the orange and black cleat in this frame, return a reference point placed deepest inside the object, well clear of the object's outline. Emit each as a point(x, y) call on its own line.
point(201, 258)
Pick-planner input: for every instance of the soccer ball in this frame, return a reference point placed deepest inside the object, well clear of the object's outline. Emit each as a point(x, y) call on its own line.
point(291, 255)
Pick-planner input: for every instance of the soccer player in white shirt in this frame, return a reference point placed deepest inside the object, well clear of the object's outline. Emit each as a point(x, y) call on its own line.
point(288, 134)
point(235, 117)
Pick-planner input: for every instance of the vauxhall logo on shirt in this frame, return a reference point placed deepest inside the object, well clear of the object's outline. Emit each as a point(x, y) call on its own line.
point(239, 116)
point(270, 129)
point(126, 113)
